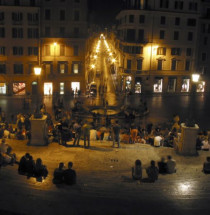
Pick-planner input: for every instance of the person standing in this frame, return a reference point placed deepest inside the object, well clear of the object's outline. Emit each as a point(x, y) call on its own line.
point(86, 131)
point(116, 133)
point(78, 130)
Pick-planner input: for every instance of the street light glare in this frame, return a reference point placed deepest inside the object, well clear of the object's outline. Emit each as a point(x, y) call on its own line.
point(55, 44)
point(195, 77)
point(37, 70)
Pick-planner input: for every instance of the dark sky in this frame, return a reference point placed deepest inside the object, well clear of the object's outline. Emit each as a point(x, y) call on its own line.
point(104, 11)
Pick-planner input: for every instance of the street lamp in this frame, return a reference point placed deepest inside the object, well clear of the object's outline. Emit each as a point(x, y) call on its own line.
point(37, 113)
point(195, 78)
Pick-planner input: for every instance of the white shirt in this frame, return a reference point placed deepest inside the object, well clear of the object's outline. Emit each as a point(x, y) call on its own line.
point(157, 140)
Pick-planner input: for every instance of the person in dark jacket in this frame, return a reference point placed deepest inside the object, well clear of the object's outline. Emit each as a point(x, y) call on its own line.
point(70, 175)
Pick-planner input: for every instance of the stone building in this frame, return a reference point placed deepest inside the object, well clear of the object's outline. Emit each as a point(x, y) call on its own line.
point(159, 44)
point(46, 33)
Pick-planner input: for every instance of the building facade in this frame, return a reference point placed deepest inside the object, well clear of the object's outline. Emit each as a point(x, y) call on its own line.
point(158, 45)
point(50, 34)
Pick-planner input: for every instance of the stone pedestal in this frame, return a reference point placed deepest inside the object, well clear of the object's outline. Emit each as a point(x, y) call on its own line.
point(39, 132)
point(186, 143)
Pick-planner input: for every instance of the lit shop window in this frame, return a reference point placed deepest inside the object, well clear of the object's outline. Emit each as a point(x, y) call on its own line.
point(75, 86)
point(61, 88)
point(171, 85)
point(158, 86)
point(48, 88)
point(19, 88)
point(75, 68)
point(185, 85)
point(137, 85)
point(3, 88)
point(200, 87)
point(128, 83)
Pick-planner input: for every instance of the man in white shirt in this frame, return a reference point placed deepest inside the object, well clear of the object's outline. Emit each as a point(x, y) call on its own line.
point(157, 141)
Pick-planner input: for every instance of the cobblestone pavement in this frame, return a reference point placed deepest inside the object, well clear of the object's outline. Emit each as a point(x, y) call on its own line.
point(104, 184)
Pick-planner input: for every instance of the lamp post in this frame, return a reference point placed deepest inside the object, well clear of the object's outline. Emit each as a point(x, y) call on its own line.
point(37, 113)
point(194, 80)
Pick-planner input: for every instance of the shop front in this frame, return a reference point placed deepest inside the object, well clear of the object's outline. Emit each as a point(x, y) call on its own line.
point(185, 85)
point(138, 82)
point(3, 88)
point(158, 85)
point(75, 87)
point(48, 88)
point(19, 88)
point(171, 85)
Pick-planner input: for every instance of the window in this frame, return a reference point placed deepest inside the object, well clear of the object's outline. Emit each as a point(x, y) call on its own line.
point(193, 6)
point(185, 85)
point(158, 85)
point(162, 20)
point(76, 32)
point(176, 35)
point(173, 64)
point(187, 65)
point(131, 35)
point(188, 52)
point(47, 14)
point(32, 3)
point(203, 57)
point(164, 3)
point(32, 18)
point(33, 33)
point(62, 31)
point(76, 15)
point(190, 36)
point(178, 5)
point(61, 88)
point(17, 33)
point(2, 68)
point(2, 32)
point(128, 64)
point(141, 19)
point(141, 35)
point(171, 84)
point(62, 68)
point(76, 67)
point(131, 18)
point(17, 17)
point(175, 51)
point(62, 15)
point(18, 68)
point(2, 50)
point(47, 50)
point(177, 21)
point(133, 49)
point(139, 64)
point(17, 50)
point(33, 51)
point(76, 50)
point(160, 64)
point(205, 40)
point(191, 22)
point(62, 50)
point(47, 31)
point(161, 51)
point(1, 16)
point(17, 2)
point(162, 34)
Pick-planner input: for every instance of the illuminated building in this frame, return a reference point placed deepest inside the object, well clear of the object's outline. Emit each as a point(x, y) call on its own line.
point(160, 43)
point(47, 33)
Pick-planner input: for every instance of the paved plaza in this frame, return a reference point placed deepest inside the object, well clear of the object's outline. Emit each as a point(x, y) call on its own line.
point(104, 184)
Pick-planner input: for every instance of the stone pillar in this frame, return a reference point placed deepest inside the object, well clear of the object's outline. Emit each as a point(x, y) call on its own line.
point(186, 143)
point(38, 131)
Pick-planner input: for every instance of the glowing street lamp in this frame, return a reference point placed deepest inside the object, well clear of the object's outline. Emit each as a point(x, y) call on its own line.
point(195, 77)
point(37, 113)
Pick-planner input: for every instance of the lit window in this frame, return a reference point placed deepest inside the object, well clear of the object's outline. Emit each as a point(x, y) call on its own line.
point(61, 88)
point(76, 68)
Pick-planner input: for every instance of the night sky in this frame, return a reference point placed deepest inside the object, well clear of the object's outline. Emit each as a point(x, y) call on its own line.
point(104, 11)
